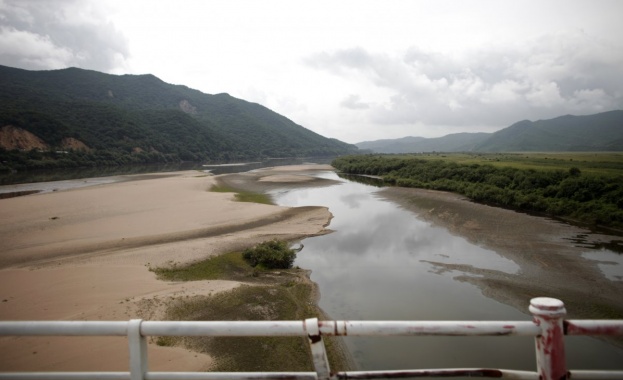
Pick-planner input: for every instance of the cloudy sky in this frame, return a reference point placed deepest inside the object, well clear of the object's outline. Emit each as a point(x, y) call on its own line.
point(352, 70)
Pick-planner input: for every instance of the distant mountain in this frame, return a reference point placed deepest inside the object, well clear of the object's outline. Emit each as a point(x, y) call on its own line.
point(140, 118)
point(598, 132)
point(457, 142)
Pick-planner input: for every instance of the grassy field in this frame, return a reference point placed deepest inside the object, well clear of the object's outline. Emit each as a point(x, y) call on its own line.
point(601, 163)
point(284, 294)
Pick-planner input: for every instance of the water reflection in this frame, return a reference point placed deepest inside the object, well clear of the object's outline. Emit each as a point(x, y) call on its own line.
point(375, 266)
point(583, 240)
point(610, 263)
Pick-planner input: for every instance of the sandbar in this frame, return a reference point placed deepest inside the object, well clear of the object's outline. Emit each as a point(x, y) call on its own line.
point(85, 254)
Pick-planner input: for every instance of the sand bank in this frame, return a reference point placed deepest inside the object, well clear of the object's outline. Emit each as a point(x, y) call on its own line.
point(551, 263)
point(83, 254)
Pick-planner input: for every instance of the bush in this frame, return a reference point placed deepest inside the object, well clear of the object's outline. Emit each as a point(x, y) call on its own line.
point(273, 254)
point(590, 198)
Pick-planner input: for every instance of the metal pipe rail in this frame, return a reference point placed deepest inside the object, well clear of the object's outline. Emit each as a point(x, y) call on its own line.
point(548, 327)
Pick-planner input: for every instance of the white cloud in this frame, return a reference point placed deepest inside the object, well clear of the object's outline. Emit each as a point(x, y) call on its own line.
point(354, 102)
point(545, 77)
point(30, 49)
point(545, 95)
point(507, 91)
point(61, 33)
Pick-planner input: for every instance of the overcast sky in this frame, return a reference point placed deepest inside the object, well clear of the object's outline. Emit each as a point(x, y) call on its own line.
point(352, 70)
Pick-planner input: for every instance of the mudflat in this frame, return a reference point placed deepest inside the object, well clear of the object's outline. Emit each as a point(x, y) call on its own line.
point(547, 251)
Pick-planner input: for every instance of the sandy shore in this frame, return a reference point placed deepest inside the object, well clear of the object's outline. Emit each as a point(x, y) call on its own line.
point(84, 254)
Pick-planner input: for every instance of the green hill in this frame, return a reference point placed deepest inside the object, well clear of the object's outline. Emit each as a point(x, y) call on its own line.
point(591, 133)
point(598, 132)
point(456, 142)
point(111, 119)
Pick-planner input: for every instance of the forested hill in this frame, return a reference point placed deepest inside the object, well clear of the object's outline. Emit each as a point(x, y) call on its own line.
point(81, 117)
point(590, 133)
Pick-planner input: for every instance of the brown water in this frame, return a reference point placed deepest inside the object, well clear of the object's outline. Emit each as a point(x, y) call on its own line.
point(376, 266)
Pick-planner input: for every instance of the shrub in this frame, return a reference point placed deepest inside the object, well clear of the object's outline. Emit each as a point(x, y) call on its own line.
point(273, 254)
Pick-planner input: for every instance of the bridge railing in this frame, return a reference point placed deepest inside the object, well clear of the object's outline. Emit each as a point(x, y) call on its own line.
point(548, 327)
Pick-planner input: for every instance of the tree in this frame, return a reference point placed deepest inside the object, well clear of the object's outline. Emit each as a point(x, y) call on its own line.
point(273, 254)
point(574, 172)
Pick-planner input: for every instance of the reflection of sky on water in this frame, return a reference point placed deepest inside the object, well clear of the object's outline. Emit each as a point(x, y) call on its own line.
point(374, 232)
point(375, 255)
point(371, 268)
point(610, 263)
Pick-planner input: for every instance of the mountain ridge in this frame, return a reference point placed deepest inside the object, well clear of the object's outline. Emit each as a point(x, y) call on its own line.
point(140, 118)
point(597, 132)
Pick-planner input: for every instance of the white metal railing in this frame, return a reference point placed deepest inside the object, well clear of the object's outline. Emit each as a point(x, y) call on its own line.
point(548, 327)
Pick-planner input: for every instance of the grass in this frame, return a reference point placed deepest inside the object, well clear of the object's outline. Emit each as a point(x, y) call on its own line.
point(228, 266)
point(253, 303)
point(600, 163)
point(269, 295)
point(244, 196)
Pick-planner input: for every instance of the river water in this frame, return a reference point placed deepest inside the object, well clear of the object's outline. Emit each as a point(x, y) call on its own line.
point(375, 267)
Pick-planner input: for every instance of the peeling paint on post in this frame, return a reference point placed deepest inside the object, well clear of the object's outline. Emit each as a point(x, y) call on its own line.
point(548, 314)
point(319, 354)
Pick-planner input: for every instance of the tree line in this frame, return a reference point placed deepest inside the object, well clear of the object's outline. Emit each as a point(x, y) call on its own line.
point(588, 198)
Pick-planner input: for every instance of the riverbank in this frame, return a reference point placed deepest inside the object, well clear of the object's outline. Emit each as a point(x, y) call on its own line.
point(85, 254)
point(552, 262)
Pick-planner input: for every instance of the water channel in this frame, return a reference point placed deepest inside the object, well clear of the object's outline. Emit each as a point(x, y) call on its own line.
point(374, 267)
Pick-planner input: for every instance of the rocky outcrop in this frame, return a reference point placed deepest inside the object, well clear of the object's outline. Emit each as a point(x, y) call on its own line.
point(12, 138)
point(187, 107)
point(70, 143)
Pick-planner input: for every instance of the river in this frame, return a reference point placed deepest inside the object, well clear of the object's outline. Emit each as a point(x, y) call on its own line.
point(382, 263)
point(378, 265)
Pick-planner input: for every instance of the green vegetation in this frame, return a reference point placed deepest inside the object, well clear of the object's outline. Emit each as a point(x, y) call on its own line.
point(243, 195)
point(132, 119)
point(276, 295)
point(287, 300)
point(228, 266)
point(584, 187)
point(599, 163)
point(274, 254)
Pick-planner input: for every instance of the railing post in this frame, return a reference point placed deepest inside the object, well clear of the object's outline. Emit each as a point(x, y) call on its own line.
point(138, 350)
point(548, 314)
point(319, 354)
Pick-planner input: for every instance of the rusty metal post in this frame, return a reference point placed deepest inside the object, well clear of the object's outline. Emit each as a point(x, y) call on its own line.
point(319, 354)
point(548, 314)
